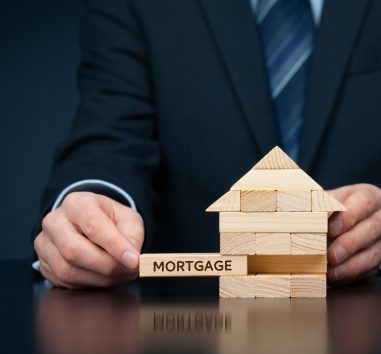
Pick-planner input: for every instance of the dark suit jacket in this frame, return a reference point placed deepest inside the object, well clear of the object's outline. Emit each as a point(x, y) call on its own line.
point(175, 107)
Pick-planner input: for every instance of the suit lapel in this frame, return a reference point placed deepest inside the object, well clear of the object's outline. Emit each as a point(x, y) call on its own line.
point(232, 25)
point(337, 33)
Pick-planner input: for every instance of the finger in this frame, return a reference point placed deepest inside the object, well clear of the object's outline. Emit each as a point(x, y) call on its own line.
point(128, 221)
point(341, 193)
point(47, 273)
point(80, 252)
point(74, 277)
point(357, 266)
point(86, 214)
point(360, 204)
point(374, 271)
point(45, 269)
point(132, 228)
point(362, 235)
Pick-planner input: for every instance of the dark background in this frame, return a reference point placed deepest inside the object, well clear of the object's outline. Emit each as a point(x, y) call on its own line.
point(39, 53)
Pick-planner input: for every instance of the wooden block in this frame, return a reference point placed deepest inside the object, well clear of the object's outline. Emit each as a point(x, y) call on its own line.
point(237, 286)
point(260, 285)
point(322, 201)
point(293, 201)
point(191, 264)
point(293, 179)
point(273, 222)
point(302, 243)
point(258, 200)
point(276, 159)
point(308, 285)
point(273, 243)
point(272, 285)
point(230, 201)
point(287, 264)
point(237, 243)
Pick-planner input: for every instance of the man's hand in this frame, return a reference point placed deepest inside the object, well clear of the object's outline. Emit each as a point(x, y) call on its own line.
point(90, 240)
point(355, 235)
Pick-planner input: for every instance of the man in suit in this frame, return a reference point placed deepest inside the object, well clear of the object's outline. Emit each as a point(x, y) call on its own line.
point(180, 98)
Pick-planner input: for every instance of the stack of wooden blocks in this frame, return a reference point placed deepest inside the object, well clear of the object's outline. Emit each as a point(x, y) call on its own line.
point(273, 225)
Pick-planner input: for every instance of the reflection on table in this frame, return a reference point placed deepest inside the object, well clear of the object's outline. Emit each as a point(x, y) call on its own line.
point(124, 321)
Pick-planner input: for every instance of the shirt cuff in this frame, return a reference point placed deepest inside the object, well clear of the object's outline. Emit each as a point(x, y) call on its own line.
point(96, 186)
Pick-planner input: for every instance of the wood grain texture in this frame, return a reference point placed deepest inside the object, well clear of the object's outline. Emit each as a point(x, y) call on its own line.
point(273, 243)
point(302, 243)
point(251, 286)
point(230, 201)
point(258, 200)
point(237, 286)
point(308, 285)
point(273, 222)
point(276, 159)
point(191, 264)
point(232, 243)
point(287, 264)
point(293, 179)
point(272, 285)
point(322, 201)
point(293, 201)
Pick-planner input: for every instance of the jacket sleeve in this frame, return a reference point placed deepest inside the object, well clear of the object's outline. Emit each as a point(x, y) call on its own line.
point(113, 136)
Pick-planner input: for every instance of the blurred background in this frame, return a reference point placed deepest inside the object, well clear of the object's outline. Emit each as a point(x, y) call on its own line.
point(39, 53)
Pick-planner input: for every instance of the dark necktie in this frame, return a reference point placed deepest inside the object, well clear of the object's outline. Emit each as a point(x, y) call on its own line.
point(287, 33)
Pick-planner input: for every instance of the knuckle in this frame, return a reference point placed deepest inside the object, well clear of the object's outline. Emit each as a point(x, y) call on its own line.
point(367, 200)
point(139, 219)
point(134, 216)
point(70, 252)
point(70, 199)
point(371, 189)
point(373, 230)
point(48, 221)
point(37, 243)
point(65, 273)
point(92, 223)
point(113, 243)
point(77, 199)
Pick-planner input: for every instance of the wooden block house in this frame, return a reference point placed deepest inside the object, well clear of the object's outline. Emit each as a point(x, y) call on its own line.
point(277, 216)
point(273, 225)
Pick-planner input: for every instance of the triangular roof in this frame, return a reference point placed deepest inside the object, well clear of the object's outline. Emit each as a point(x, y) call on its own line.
point(276, 171)
point(276, 159)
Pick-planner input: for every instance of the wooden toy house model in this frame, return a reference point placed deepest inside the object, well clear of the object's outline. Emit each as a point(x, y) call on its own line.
point(273, 225)
point(278, 216)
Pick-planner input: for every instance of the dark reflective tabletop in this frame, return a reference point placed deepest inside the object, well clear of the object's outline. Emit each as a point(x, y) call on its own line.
point(184, 316)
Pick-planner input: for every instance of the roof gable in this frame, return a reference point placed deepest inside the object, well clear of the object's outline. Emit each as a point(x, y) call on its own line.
point(276, 172)
point(276, 159)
